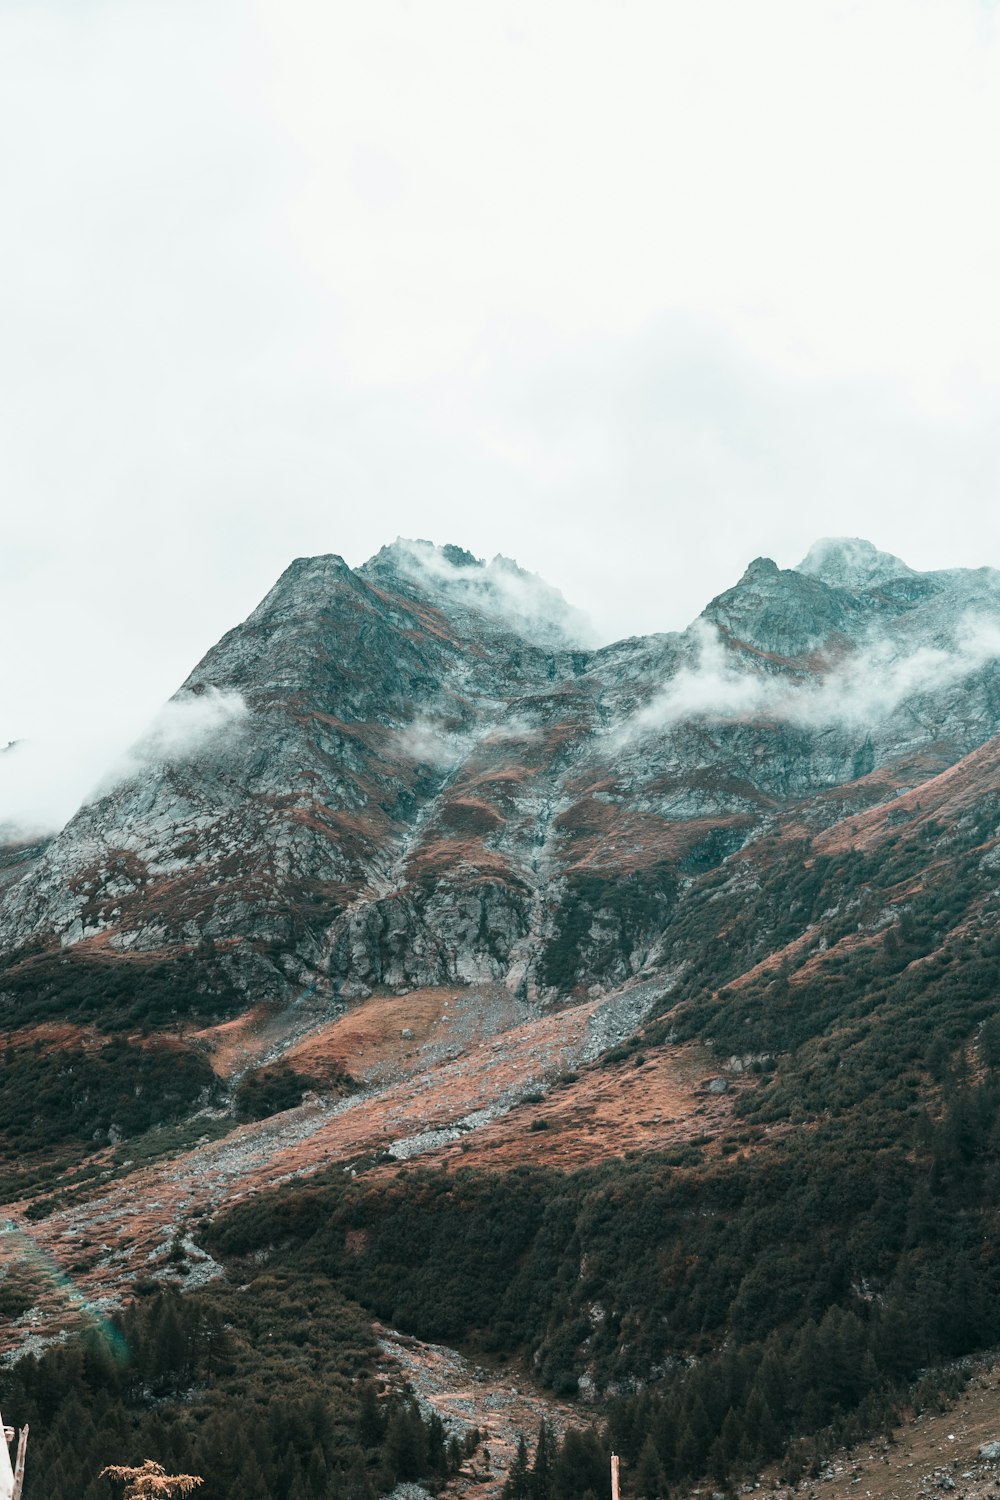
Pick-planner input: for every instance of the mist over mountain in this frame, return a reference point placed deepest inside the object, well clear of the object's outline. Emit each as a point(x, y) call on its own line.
point(400, 774)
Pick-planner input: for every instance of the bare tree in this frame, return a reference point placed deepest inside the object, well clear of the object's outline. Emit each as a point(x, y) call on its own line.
point(151, 1480)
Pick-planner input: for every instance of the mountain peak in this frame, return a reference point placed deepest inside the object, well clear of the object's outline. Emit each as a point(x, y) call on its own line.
point(780, 611)
point(416, 557)
point(760, 568)
point(851, 562)
point(458, 556)
point(500, 590)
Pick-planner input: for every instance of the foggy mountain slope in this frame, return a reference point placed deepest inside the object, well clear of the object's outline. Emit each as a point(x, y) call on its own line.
point(414, 772)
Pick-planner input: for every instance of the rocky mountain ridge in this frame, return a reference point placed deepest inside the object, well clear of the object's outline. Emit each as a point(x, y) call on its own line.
point(414, 773)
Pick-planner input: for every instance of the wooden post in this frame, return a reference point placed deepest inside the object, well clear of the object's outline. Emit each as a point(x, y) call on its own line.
point(615, 1494)
point(22, 1444)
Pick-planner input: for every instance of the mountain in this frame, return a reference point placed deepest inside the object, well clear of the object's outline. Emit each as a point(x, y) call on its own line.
point(414, 773)
point(624, 1013)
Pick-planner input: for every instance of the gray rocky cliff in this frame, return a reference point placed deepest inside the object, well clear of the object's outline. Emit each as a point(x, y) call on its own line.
point(417, 772)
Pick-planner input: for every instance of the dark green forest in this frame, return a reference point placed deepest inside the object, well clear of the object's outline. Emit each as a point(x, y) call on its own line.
point(784, 1292)
point(265, 1390)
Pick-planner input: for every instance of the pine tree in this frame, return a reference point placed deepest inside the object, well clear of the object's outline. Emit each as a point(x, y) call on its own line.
point(518, 1483)
point(316, 1474)
point(719, 1460)
point(405, 1450)
point(541, 1469)
point(437, 1458)
point(169, 1367)
point(771, 1384)
point(251, 1484)
point(759, 1427)
point(357, 1485)
point(581, 1464)
point(687, 1455)
point(694, 1440)
point(664, 1430)
point(649, 1480)
point(371, 1426)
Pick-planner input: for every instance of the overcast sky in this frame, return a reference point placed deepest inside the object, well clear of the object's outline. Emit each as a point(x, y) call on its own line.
point(630, 292)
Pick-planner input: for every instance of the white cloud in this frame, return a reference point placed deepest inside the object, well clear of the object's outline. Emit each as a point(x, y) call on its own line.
point(428, 741)
point(186, 728)
point(43, 782)
point(499, 589)
point(860, 690)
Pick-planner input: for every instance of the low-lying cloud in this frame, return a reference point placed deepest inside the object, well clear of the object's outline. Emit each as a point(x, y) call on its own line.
point(43, 782)
point(860, 690)
point(430, 741)
point(190, 726)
